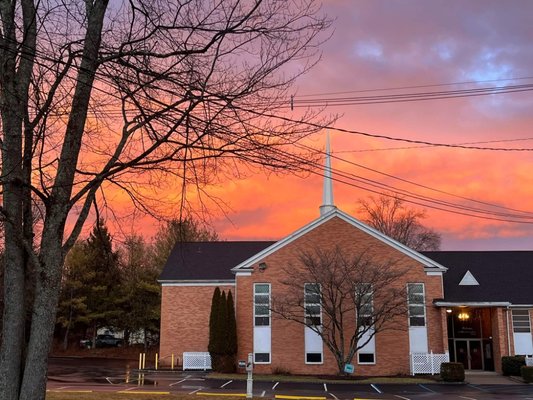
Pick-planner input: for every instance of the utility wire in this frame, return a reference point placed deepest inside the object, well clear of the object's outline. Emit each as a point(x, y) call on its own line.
point(416, 86)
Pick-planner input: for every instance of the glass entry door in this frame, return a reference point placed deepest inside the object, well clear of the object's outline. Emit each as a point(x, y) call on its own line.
point(469, 353)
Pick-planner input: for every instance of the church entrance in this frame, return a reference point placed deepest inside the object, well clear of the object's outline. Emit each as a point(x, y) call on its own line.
point(470, 337)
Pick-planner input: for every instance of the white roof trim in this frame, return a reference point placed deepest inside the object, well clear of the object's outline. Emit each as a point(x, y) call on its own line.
point(221, 282)
point(472, 303)
point(469, 280)
point(428, 263)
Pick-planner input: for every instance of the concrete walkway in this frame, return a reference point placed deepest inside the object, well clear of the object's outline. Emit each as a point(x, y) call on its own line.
point(488, 378)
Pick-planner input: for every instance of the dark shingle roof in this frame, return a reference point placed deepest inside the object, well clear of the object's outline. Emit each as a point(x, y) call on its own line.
point(503, 276)
point(208, 260)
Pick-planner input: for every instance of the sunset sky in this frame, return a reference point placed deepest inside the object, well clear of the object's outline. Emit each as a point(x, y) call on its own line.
point(377, 48)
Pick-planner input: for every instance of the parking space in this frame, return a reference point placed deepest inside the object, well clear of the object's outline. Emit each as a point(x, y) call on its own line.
point(71, 376)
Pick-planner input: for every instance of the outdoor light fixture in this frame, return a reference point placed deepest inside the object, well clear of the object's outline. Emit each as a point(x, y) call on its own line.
point(463, 316)
point(449, 310)
point(262, 266)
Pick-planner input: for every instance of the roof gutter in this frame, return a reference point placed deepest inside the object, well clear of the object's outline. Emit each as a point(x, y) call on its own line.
point(440, 303)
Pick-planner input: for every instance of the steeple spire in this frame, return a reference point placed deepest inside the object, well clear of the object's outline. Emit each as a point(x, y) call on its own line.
point(327, 194)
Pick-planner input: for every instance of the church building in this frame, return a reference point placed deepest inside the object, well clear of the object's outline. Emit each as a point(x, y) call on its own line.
point(470, 307)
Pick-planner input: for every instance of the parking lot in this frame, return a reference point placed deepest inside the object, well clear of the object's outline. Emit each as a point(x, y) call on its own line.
point(73, 376)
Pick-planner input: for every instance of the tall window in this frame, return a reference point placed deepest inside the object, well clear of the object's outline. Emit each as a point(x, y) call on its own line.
point(365, 296)
point(417, 307)
point(312, 304)
point(521, 321)
point(262, 304)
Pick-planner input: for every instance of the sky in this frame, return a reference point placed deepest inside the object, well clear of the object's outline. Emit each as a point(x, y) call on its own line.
point(377, 47)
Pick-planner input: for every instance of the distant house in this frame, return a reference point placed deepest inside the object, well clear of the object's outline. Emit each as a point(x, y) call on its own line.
point(475, 306)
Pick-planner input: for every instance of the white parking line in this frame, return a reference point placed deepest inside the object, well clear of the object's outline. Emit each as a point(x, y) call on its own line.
point(62, 387)
point(325, 388)
point(475, 387)
point(178, 382)
point(275, 384)
point(263, 393)
point(109, 380)
point(332, 395)
point(194, 391)
point(467, 398)
point(227, 383)
point(401, 397)
point(428, 389)
point(376, 388)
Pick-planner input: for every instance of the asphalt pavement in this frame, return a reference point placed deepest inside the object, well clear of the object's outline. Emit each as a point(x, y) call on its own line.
point(96, 375)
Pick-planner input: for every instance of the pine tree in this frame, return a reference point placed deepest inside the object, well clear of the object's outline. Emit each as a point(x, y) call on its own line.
point(231, 345)
point(231, 334)
point(213, 323)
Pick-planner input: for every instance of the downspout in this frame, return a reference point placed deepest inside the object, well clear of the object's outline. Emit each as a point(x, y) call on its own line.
point(508, 334)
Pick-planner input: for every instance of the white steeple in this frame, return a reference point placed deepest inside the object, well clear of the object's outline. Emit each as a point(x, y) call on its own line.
point(327, 194)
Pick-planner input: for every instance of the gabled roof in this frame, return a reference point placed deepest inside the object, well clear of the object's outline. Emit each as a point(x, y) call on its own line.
point(503, 276)
point(428, 263)
point(207, 261)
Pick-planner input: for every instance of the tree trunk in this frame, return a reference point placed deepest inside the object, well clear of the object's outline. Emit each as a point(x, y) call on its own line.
point(43, 321)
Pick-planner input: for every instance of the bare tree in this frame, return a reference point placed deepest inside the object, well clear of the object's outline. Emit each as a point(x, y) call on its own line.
point(97, 94)
point(345, 299)
point(389, 215)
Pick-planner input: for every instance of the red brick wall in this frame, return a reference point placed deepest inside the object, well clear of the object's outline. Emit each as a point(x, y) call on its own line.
point(500, 344)
point(392, 347)
point(185, 319)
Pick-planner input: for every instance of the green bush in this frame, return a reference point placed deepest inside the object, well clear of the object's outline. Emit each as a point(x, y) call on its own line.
point(511, 365)
point(527, 374)
point(452, 372)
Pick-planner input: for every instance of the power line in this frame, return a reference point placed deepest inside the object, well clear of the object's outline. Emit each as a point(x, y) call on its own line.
point(414, 86)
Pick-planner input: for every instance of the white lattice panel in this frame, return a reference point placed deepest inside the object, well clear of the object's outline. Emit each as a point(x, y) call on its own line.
point(427, 363)
point(196, 361)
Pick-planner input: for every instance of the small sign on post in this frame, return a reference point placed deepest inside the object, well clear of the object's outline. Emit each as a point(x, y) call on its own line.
point(249, 381)
point(348, 368)
point(242, 364)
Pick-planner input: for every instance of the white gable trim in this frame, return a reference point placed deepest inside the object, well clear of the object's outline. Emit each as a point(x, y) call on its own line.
point(429, 265)
point(198, 283)
point(469, 280)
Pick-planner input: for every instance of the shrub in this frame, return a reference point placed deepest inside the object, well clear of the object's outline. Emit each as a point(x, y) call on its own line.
point(279, 370)
point(511, 365)
point(452, 372)
point(527, 374)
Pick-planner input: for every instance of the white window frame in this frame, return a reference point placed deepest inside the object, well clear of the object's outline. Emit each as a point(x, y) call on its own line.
point(359, 362)
point(269, 294)
point(524, 313)
point(366, 313)
point(307, 315)
point(319, 304)
point(422, 304)
point(369, 305)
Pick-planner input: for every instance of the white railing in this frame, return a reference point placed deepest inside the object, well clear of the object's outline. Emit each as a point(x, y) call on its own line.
point(427, 363)
point(196, 361)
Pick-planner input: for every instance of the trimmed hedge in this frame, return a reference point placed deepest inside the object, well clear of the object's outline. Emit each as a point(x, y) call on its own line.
point(452, 372)
point(511, 365)
point(527, 374)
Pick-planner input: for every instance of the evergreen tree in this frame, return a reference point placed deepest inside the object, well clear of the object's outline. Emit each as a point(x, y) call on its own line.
point(213, 324)
point(104, 285)
point(231, 334)
point(222, 332)
point(139, 299)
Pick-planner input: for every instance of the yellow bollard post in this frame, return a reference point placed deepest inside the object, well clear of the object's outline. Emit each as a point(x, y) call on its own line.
point(172, 362)
point(156, 360)
point(140, 360)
